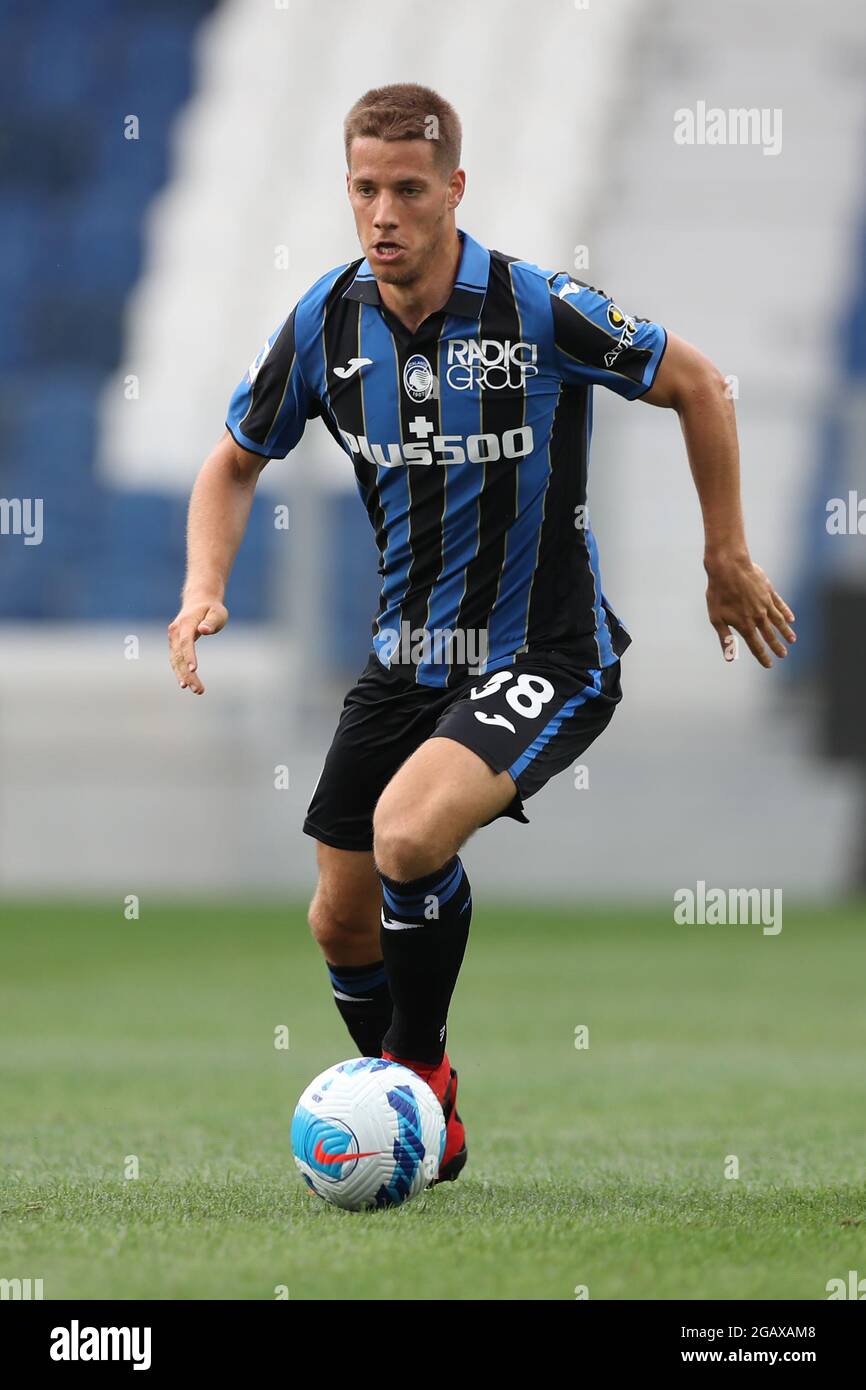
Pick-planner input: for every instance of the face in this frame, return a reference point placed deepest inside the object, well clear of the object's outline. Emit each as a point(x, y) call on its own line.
point(403, 205)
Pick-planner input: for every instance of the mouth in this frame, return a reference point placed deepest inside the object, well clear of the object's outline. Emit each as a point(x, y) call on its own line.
point(387, 250)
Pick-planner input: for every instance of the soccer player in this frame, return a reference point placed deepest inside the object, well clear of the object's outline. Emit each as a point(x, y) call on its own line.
point(458, 381)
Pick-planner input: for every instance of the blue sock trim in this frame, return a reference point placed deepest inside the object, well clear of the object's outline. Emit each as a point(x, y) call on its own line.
point(411, 901)
point(353, 983)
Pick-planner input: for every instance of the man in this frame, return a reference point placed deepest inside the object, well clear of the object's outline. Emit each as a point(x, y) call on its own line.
point(459, 382)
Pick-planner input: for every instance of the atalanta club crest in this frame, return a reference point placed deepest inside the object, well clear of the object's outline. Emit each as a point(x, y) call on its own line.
point(418, 378)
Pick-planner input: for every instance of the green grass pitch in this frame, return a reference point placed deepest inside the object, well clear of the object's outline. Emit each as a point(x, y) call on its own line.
point(601, 1167)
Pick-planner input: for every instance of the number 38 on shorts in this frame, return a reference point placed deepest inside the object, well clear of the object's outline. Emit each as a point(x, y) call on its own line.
point(525, 694)
point(533, 718)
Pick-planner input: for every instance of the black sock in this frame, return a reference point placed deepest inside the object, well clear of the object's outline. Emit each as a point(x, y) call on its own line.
point(425, 927)
point(362, 995)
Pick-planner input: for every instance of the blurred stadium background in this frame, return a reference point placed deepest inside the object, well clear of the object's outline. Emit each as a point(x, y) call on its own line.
point(139, 276)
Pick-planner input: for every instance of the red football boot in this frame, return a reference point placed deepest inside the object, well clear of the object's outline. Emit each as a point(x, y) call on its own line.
point(442, 1080)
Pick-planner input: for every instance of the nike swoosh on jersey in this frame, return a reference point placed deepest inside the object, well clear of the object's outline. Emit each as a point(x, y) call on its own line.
point(355, 365)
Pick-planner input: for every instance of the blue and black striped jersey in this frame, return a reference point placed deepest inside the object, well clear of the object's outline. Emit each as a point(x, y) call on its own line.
point(470, 442)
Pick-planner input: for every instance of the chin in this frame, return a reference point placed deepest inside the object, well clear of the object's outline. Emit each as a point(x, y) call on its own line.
point(394, 275)
point(398, 277)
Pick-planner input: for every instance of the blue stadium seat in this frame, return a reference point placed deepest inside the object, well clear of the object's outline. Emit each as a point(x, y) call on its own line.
point(75, 194)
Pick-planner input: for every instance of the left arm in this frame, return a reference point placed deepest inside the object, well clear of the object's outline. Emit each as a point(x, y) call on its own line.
point(739, 594)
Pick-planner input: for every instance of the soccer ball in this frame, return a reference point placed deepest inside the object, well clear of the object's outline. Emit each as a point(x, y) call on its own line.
point(368, 1133)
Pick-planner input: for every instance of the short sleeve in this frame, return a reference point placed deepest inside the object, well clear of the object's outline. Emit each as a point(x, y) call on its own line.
point(598, 343)
point(271, 405)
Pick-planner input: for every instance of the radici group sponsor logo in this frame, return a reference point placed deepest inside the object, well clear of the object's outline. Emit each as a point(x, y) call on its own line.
point(490, 365)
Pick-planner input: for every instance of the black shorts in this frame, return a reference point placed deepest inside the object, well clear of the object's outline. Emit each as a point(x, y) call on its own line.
point(530, 720)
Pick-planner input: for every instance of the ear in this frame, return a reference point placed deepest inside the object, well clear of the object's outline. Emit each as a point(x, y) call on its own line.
point(456, 188)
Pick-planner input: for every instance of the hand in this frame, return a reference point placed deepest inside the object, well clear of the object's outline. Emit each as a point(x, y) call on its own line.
point(194, 620)
point(740, 595)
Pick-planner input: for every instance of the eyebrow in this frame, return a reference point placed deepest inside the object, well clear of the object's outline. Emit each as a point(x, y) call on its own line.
point(404, 178)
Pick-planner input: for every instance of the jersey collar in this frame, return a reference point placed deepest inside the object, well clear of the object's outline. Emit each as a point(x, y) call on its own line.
point(467, 295)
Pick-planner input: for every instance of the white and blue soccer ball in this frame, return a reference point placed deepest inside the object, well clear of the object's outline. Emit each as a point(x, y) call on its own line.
point(368, 1133)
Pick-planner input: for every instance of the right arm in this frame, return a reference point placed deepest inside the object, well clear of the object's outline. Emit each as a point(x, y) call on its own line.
point(267, 412)
point(219, 510)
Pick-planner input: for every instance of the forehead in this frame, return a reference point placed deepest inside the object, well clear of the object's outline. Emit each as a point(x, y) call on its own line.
point(391, 160)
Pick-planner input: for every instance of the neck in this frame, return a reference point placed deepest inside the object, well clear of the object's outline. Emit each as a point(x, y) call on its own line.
point(414, 303)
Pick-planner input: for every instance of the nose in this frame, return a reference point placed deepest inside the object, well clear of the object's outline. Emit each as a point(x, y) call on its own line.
point(384, 218)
